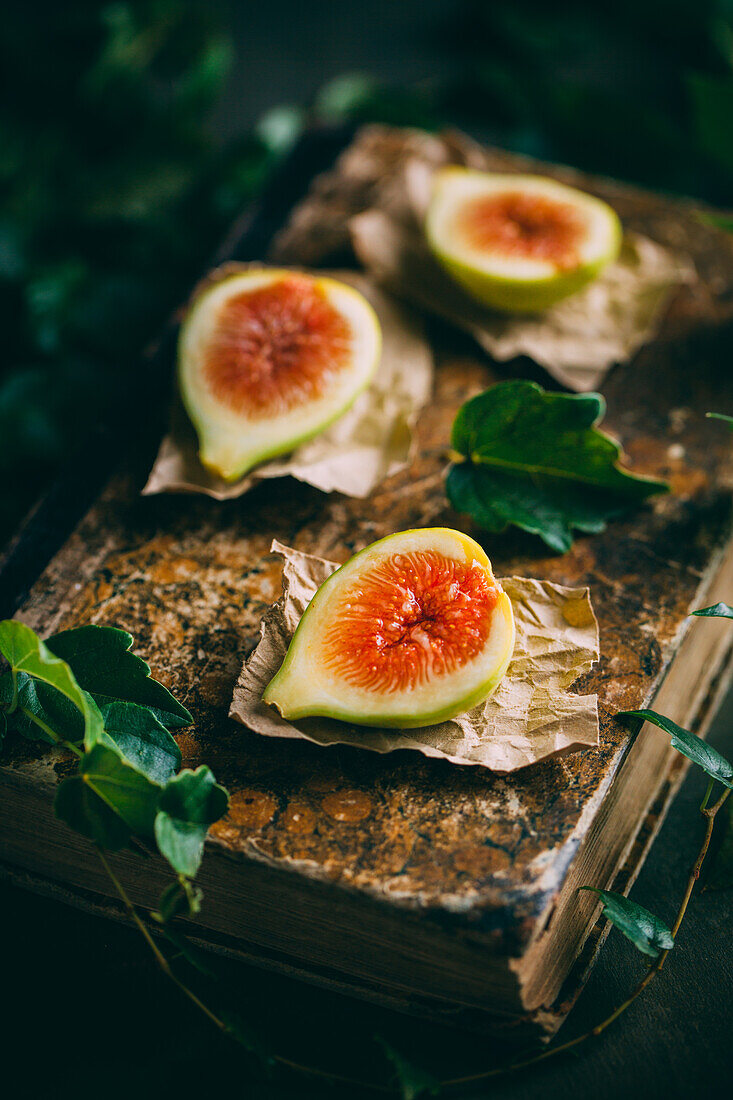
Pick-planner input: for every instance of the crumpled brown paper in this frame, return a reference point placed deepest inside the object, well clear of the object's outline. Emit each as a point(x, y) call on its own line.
point(576, 341)
point(371, 441)
point(530, 716)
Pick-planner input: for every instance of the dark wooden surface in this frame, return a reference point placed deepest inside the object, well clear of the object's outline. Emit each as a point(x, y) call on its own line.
point(190, 578)
point(71, 979)
point(642, 408)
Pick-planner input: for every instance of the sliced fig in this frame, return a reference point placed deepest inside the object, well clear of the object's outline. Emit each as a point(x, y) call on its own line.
point(518, 243)
point(410, 632)
point(268, 358)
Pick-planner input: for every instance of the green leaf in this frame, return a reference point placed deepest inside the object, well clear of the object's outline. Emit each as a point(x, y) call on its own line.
point(647, 932)
point(108, 800)
point(28, 656)
point(280, 127)
point(721, 416)
point(142, 740)
point(689, 744)
point(100, 658)
point(247, 1036)
point(60, 714)
point(180, 898)
point(718, 221)
point(190, 803)
point(413, 1080)
point(536, 460)
point(716, 611)
point(191, 954)
point(344, 95)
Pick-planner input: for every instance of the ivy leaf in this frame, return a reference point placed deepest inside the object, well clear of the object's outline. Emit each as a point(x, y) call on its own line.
point(647, 933)
point(247, 1036)
point(537, 460)
point(100, 658)
point(689, 744)
point(37, 701)
point(190, 803)
point(108, 800)
point(31, 660)
point(181, 898)
point(142, 740)
point(717, 611)
point(721, 416)
point(191, 954)
point(413, 1080)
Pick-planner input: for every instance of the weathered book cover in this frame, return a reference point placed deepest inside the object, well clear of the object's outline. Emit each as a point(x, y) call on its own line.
point(323, 844)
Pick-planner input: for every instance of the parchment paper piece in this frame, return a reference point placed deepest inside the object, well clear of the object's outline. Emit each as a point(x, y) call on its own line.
point(371, 441)
point(531, 716)
point(576, 341)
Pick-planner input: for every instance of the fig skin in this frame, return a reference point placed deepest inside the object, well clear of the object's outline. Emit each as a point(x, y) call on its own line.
point(515, 294)
point(229, 446)
point(302, 689)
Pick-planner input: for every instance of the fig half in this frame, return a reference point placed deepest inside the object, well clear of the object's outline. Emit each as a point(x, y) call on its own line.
point(518, 243)
point(267, 358)
point(412, 631)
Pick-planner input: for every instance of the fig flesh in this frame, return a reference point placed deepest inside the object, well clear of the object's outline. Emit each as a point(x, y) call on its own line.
point(412, 631)
point(518, 243)
point(267, 359)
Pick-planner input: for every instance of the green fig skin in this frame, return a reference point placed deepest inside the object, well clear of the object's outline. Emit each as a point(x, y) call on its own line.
point(521, 295)
point(226, 448)
point(296, 693)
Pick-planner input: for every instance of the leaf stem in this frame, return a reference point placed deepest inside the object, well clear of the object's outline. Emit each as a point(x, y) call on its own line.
point(14, 699)
point(709, 812)
point(50, 732)
point(313, 1071)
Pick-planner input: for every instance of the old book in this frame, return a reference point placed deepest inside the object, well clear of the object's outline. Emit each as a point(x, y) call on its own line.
point(430, 887)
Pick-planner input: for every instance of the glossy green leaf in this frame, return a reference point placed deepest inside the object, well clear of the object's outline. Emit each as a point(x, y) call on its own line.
point(689, 744)
point(716, 611)
point(537, 460)
point(28, 656)
point(142, 740)
point(108, 800)
point(647, 932)
point(100, 658)
point(191, 802)
point(414, 1081)
point(37, 700)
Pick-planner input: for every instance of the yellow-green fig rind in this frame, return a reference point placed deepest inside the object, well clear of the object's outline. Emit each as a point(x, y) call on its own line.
point(304, 688)
point(230, 445)
point(532, 291)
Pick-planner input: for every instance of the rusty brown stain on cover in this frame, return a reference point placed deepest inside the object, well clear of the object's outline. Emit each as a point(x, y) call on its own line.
point(190, 578)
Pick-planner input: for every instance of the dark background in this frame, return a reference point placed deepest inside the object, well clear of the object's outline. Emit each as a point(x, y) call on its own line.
point(123, 123)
